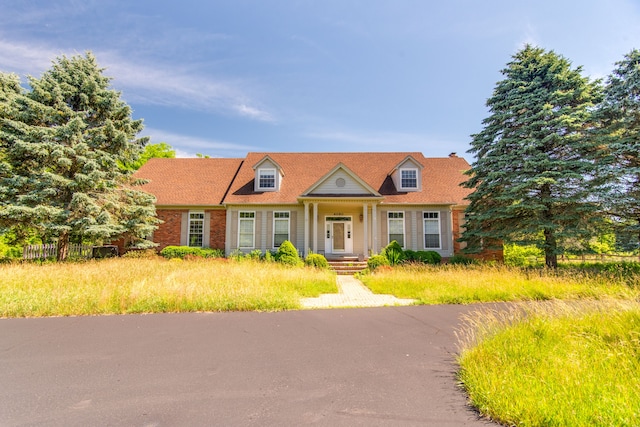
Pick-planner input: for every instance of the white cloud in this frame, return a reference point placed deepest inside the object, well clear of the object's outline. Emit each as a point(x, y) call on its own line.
point(145, 82)
point(189, 146)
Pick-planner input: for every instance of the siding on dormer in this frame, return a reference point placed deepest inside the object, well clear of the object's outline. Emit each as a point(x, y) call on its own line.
point(330, 186)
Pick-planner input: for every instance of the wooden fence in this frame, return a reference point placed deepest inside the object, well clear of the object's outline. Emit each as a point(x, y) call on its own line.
point(50, 250)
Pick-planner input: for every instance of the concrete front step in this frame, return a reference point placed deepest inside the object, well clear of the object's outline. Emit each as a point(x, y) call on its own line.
point(347, 267)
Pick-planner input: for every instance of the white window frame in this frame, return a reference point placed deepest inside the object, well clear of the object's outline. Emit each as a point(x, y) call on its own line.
point(267, 171)
point(396, 216)
point(193, 221)
point(401, 179)
point(252, 218)
point(275, 220)
point(431, 219)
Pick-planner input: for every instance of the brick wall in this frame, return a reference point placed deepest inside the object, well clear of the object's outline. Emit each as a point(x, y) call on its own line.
point(485, 255)
point(168, 232)
point(218, 229)
point(457, 232)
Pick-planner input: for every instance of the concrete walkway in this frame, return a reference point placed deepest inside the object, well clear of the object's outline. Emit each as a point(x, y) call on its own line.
point(353, 293)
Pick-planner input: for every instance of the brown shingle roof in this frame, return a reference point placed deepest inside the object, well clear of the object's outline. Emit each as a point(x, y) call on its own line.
point(440, 178)
point(188, 182)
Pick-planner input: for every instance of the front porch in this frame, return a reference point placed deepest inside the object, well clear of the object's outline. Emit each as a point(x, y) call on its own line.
point(341, 230)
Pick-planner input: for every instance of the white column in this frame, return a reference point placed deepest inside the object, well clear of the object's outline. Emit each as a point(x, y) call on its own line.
point(306, 229)
point(315, 228)
point(227, 233)
point(365, 225)
point(374, 227)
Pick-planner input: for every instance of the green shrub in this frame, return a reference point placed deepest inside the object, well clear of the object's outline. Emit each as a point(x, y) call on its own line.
point(377, 261)
point(182, 251)
point(394, 253)
point(316, 260)
point(423, 257)
point(269, 256)
point(288, 254)
point(255, 255)
point(521, 255)
point(462, 260)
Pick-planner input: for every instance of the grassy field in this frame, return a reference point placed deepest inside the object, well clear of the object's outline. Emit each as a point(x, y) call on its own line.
point(118, 286)
point(468, 284)
point(574, 362)
point(555, 364)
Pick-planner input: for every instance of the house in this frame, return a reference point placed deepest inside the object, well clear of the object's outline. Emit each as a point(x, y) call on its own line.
point(334, 204)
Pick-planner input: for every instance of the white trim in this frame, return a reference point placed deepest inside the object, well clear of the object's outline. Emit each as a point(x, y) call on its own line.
point(189, 222)
point(347, 220)
point(253, 231)
point(265, 171)
point(417, 172)
point(424, 228)
point(404, 233)
point(288, 218)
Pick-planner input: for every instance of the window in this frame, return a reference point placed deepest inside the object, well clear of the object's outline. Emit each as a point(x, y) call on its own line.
point(280, 228)
point(246, 228)
point(408, 179)
point(267, 179)
point(431, 230)
point(396, 227)
point(196, 228)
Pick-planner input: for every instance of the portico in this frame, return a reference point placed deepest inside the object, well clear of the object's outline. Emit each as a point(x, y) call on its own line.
point(341, 226)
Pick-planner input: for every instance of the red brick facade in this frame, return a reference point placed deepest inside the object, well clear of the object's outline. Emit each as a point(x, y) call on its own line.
point(218, 229)
point(485, 255)
point(168, 232)
point(458, 217)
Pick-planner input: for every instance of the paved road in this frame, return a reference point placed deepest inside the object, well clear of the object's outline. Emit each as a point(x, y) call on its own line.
point(342, 367)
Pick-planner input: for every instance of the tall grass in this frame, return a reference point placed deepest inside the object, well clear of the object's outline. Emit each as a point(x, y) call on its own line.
point(454, 284)
point(117, 286)
point(555, 363)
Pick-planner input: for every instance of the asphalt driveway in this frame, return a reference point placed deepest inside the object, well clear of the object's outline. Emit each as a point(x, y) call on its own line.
point(341, 367)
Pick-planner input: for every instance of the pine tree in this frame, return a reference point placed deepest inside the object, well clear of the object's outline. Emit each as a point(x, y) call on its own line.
point(60, 144)
point(534, 167)
point(620, 120)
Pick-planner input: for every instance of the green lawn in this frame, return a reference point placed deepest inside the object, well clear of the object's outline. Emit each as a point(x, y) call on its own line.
point(555, 364)
point(570, 357)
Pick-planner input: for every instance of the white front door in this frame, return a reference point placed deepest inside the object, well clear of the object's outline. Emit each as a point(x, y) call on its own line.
point(339, 235)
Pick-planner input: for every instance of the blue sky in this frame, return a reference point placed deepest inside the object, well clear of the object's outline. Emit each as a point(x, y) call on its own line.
point(223, 78)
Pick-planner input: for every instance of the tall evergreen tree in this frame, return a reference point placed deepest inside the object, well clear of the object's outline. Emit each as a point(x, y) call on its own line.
point(620, 132)
point(534, 166)
point(61, 143)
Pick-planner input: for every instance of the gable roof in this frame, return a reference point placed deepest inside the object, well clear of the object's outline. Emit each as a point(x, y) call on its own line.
point(188, 182)
point(441, 177)
point(316, 189)
point(408, 159)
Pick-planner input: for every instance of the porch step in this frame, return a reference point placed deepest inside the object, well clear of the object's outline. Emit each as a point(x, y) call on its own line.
point(347, 267)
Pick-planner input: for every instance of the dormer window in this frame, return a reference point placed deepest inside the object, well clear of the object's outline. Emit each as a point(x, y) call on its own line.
point(268, 175)
point(267, 179)
point(408, 179)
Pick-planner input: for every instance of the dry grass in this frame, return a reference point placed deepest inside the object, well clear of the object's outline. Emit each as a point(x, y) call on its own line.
point(451, 284)
point(118, 286)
